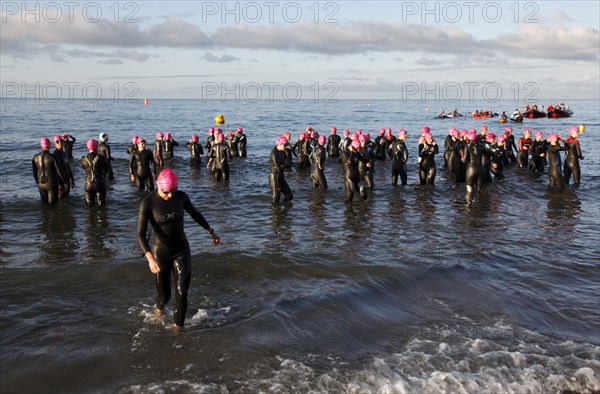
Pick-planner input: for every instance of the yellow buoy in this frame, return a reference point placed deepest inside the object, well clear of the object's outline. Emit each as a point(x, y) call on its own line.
point(219, 119)
point(581, 128)
point(427, 109)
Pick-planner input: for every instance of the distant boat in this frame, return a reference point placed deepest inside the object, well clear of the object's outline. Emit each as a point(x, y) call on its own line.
point(563, 112)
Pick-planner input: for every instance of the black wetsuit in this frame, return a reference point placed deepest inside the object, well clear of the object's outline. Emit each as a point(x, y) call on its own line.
point(288, 156)
point(157, 155)
point(196, 152)
point(572, 158)
point(345, 144)
point(333, 145)
point(498, 160)
point(366, 172)
point(168, 149)
point(220, 161)
point(350, 160)
point(454, 167)
point(232, 144)
point(63, 163)
point(68, 146)
point(209, 142)
point(301, 150)
point(277, 182)
point(555, 174)
point(242, 144)
point(486, 160)
point(523, 155)
point(398, 154)
point(474, 178)
point(511, 148)
point(448, 145)
point(104, 150)
point(380, 147)
point(171, 248)
point(47, 175)
point(139, 166)
point(537, 160)
point(427, 168)
point(96, 168)
point(317, 164)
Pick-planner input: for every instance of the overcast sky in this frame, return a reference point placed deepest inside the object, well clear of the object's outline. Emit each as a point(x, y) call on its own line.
point(278, 49)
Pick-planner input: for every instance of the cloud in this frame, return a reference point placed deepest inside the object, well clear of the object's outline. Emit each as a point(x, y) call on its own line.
point(110, 62)
point(578, 43)
point(210, 57)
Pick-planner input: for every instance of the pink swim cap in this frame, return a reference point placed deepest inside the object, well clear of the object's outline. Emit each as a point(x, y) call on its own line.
point(362, 138)
point(527, 130)
point(195, 137)
point(333, 130)
point(134, 139)
point(280, 141)
point(454, 132)
point(140, 140)
point(168, 136)
point(167, 180)
point(313, 134)
point(356, 144)
point(507, 130)
point(574, 130)
point(45, 143)
point(57, 138)
point(220, 137)
point(552, 136)
point(388, 130)
point(401, 132)
point(500, 139)
point(159, 135)
point(308, 128)
point(211, 130)
point(538, 132)
point(240, 130)
point(92, 145)
point(381, 131)
point(483, 127)
point(346, 133)
point(231, 134)
point(303, 136)
point(463, 132)
point(322, 140)
point(490, 137)
point(218, 130)
point(425, 129)
point(472, 135)
point(287, 135)
point(427, 136)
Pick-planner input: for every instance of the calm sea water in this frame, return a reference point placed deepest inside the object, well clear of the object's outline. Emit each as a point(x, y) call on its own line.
point(411, 291)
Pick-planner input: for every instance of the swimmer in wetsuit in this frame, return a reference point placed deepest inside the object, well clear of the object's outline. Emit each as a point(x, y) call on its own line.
point(170, 253)
point(47, 173)
point(68, 142)
point(277, 162)
point(63, 163)
point(538, 153)
point(350, 159)
point(398, 155)
point(524, 146)
point(555, 175)
point(242, 142)
point(157, 153)
point(498, 158)
point(169, 145)
point(288, 150)
point(380, 145)
point(219, 156)
point(104, 150)
point(509, 144)
point(573, 155)
point(471, 156)
point(96, 168)
point(333, 143)
point(232, 144)
point(427, 151)
point(195, 149)
point(139, 166)
point(301, 150)
point(317, 164)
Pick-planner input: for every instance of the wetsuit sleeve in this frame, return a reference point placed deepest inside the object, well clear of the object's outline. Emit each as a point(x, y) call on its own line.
point(61, 176)
point(175, 143)
point(194, 213)
point(131, 162)
point(142, 225)
point(35, 171)
point(108, 155)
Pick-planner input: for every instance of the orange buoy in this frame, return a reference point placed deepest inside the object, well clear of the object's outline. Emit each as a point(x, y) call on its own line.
point(145, 101)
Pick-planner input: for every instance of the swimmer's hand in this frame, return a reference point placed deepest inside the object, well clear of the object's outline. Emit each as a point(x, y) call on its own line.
point(215, 238)
point(152, 263)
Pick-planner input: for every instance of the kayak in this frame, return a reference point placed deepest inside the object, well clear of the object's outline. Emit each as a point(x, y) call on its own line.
point(517, 120)
point(481, 116)
point(502, 120)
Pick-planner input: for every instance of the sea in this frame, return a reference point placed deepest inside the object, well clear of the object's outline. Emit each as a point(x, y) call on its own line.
point(415, 290)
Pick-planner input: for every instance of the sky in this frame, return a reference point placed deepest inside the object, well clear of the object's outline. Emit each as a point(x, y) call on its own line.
point(270, 50)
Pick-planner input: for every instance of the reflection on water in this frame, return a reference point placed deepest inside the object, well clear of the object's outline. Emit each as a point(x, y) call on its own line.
point(97, 233)
point(58, 226)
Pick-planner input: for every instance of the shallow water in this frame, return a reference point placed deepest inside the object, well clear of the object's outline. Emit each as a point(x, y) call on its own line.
point(411, 291)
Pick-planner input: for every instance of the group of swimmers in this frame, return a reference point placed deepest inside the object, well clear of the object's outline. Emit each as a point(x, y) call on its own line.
point(54, 178)
point(468, 157)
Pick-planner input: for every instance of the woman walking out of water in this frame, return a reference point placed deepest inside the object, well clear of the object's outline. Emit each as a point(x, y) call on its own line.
point(170, 253)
